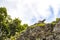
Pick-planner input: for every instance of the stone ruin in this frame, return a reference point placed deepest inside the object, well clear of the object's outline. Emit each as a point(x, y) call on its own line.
point(41, 33)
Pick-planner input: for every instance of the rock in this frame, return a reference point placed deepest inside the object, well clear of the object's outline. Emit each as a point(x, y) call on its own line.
point(42, 33)
point(57, 28)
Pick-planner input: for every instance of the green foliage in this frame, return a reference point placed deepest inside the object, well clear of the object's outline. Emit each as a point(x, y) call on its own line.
point(57, 20)
point(53, 23)
point(9, 27)
point(32, 26)
point(41, 24)
point(3, 13)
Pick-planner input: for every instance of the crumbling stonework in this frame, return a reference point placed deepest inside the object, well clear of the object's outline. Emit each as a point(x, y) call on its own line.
point(41, 33)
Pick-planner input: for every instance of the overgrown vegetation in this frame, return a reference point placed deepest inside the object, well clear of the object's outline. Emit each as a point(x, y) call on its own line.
point(42, 31)
point(11, 28)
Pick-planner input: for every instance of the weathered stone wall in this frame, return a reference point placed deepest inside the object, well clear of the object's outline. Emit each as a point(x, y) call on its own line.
point(41, 33)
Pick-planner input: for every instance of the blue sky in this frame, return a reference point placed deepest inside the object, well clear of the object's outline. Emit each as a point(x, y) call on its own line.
point(31, 11)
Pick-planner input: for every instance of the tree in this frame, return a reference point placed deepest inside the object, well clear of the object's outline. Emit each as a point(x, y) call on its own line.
point(3, 26)
point(13, 26)
point(3, 13)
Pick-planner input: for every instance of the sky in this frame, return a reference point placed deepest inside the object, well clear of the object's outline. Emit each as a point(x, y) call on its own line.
point(31, 11)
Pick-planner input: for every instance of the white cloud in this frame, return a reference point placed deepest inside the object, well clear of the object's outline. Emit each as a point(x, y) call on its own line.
point(27, 10)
